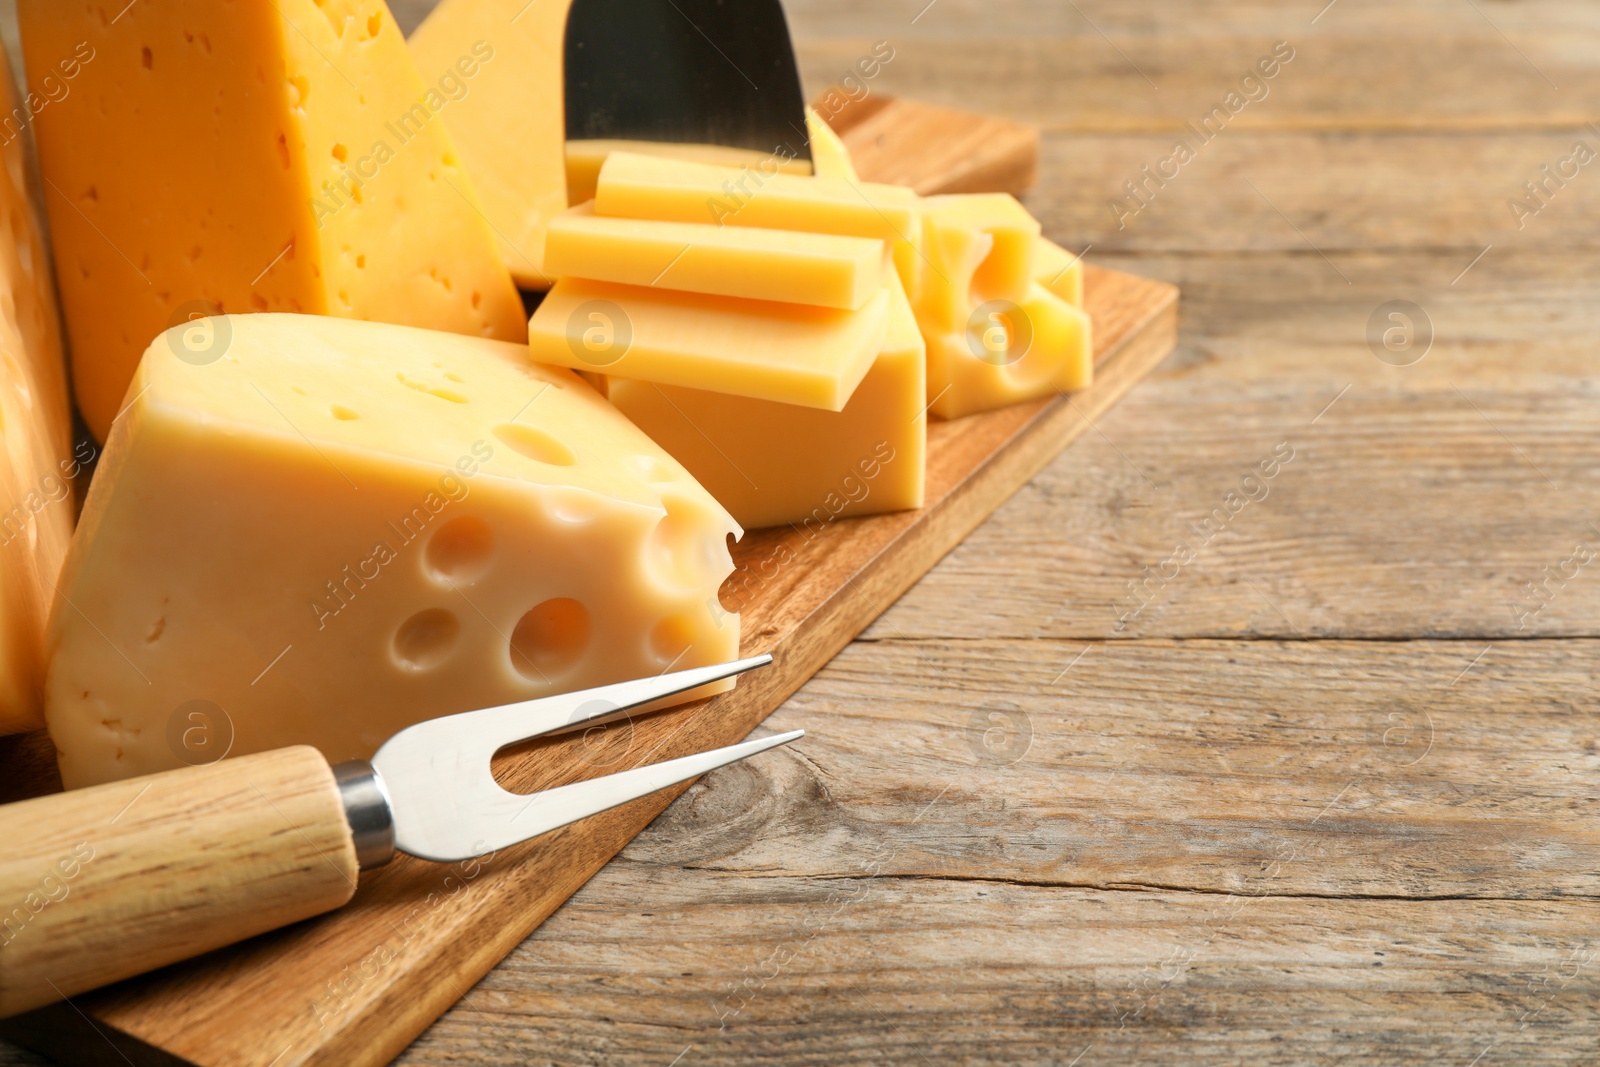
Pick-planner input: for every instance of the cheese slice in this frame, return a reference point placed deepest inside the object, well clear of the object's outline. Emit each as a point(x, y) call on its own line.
point(829, 156)
point(586, 157)
point(802, 268)
point(37, 475)
point(980, 247)
point(1059, 271)
point(773, 464)
point(794, 353)
point(509, 125)
point(641, 187)
point(259, 155)
point(1012, 352)
point(333, 529)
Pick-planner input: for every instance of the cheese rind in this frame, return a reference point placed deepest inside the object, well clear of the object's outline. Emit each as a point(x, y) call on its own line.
point(37, 504)
point(801, 268)
point(792, 353)
point(1016, 352)
point(509, 126)
point(1059, 271)
point(770, 464)
point(262, 155)
point(335, 529)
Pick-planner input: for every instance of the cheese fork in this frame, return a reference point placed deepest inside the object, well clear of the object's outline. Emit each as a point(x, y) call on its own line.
point(103, 883)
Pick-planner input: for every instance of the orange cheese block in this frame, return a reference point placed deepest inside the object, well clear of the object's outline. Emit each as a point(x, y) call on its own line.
point(308, 530)
point(259, 155)
point(37, 506)
point(771, 464)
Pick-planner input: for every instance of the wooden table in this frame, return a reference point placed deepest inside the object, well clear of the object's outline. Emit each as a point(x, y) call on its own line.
point(1327, 796)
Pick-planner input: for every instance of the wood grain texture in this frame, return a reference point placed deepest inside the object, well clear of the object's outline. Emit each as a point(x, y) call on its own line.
point(932, 149)
point(355, 987)
point(114, 880)
point(1392, 139)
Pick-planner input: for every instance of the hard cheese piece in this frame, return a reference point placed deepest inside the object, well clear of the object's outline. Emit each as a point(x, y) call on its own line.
point(794, 353)
point(261, 155)
point(641, 187)
point(586, 157)
point(36, 493)
point(980, 247)
point(771, 463)
point(829, 157)
point(801, 268)
point(334, 529)
point(1059, 271)
point(1015, 352)
point(508, 122)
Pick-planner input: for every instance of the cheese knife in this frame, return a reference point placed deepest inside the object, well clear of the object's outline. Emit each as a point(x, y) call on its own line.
point(102, 883)
point(707, 72)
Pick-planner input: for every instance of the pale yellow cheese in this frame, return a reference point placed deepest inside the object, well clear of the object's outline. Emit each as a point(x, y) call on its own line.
point(509, 124)
point(333, 529)
point(259, 155)
point(980, 247)
point(641, 187)
point(801, 268)
point(1059, 271)
point(772, 464)
point(1014, 352)
point(39, 468)
point(829, 156)
point(795, 353)
point(586, 157)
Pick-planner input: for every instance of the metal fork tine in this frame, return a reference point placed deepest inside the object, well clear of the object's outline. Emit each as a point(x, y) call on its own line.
point(552, 808)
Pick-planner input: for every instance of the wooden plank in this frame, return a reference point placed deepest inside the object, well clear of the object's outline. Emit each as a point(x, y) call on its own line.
point(1113, 66)
point(1416, 505)
point(1267, 851)
point(1337, 192)
point(356, 986)
point(932, 149)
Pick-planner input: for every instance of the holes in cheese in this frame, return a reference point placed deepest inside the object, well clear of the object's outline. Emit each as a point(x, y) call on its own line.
point(1010, 353)
point(550, 638)
point(330, 581)
point(980, 247)
point(310, 171)
point(535, 444)
point(771, 464)
point(794, 353)
point(785, 265)
point(997, 330)
point(426, 639)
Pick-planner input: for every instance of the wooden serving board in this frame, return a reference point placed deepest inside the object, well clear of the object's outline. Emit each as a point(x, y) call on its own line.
point(354, 987)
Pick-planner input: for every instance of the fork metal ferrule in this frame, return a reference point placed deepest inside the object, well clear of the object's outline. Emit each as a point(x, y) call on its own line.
point(367, 810)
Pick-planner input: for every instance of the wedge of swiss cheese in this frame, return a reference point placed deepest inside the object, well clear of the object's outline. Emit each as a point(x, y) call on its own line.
point(39, 468)
point(327, 530)
point(257, 155)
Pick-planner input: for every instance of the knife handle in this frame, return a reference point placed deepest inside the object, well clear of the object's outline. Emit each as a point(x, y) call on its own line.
point(103, 883)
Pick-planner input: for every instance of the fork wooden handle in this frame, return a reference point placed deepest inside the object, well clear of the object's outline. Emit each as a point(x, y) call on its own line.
point(104, 883)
